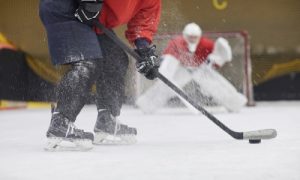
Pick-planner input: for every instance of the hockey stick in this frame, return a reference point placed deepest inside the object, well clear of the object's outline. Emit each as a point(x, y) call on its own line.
point(252, 136)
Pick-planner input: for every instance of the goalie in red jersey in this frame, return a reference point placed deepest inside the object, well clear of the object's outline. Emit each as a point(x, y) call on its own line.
point(192, 57)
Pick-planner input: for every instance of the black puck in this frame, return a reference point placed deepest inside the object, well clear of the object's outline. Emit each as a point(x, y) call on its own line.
point(254, 141)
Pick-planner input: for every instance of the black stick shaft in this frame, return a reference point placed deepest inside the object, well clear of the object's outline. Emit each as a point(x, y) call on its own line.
point(236, 135)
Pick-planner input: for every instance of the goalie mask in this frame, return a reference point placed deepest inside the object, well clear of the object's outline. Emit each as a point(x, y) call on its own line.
point(192, 34)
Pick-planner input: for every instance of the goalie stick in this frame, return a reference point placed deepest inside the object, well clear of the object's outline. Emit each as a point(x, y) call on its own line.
point(252, 136)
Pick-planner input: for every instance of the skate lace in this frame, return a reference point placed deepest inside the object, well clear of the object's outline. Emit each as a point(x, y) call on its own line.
point(117, 125)
point(72, 128)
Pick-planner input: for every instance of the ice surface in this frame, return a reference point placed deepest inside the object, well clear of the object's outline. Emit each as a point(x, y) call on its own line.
point(173, 144)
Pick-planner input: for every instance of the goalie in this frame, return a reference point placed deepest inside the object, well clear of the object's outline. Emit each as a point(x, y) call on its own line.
point(191, 57)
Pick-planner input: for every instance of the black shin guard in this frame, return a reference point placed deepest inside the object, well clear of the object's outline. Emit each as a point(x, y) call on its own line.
point(110, 83)
point(74, 88)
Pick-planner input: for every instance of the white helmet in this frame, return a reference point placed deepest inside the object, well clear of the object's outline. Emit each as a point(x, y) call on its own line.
point(192, 34)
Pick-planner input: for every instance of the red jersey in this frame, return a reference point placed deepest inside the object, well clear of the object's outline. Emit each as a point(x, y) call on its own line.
point(141, 16)
point(178, 48)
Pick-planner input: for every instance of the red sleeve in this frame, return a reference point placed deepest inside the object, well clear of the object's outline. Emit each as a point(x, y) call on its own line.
point(206, 46)
point(145, 23)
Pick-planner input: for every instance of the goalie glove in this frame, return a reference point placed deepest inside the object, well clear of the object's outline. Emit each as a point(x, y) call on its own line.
point(88, 10)
point(221, 53)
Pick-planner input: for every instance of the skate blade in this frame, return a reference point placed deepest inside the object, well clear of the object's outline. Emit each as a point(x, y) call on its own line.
point(64, 144)
point(101, 138)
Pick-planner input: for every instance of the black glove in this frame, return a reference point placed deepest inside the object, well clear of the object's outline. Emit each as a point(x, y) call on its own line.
point(149, 63)
point(88, 10)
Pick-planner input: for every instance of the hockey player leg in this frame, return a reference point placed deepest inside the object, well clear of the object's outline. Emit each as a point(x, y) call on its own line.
point(221, 90)
point(71, 95)
point(110, 95)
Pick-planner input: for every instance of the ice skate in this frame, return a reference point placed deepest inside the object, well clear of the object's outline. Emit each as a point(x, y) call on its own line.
point(109, 131)
point(63, 135)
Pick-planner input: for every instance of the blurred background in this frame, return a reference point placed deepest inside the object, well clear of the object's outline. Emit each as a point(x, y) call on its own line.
point(272, 26)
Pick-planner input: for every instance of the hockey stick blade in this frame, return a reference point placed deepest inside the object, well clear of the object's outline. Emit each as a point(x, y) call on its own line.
point(260, 134)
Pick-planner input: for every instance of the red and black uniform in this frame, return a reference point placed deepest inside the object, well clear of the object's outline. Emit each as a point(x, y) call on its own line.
point(94, 57)
point(178, 48)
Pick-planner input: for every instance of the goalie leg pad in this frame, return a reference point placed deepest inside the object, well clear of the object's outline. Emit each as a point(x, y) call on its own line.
point(221, 90)
point(157, 95)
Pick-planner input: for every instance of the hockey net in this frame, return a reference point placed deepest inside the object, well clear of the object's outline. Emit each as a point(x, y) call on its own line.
point(238, 72)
